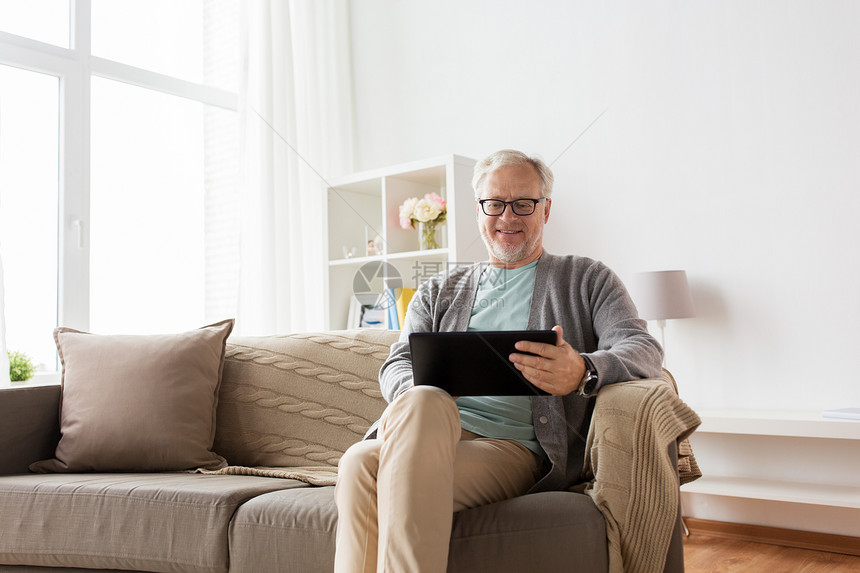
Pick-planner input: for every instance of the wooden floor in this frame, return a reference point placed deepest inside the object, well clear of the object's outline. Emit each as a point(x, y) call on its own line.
point(707, 554)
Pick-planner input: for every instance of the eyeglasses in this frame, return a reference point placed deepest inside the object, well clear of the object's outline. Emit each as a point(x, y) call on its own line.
point(521, 207)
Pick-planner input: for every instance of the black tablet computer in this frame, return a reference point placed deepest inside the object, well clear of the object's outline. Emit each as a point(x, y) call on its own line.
point(473, 363)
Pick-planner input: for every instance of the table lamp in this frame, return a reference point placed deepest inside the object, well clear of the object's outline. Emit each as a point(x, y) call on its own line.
point(660, 296)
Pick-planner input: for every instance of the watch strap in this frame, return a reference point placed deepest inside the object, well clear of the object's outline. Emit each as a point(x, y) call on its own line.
point(588, 385)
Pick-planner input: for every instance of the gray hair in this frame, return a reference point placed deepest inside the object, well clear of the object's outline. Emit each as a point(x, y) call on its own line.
point(512, 157)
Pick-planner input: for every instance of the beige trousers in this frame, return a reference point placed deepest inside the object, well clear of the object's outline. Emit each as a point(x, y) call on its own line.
point(396, 494)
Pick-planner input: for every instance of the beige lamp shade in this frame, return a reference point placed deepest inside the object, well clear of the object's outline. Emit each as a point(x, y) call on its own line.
point(662, 295)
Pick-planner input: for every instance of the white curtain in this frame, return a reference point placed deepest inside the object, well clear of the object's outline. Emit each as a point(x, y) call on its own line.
point(296, 131)
point(4, 358)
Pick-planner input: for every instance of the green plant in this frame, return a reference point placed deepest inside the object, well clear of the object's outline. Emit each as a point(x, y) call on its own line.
point(20, 367)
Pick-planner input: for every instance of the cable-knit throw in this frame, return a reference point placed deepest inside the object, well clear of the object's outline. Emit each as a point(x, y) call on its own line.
point(635, 485)
point(289, 406)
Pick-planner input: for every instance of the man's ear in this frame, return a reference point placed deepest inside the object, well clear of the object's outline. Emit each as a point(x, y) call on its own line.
point(546, 210)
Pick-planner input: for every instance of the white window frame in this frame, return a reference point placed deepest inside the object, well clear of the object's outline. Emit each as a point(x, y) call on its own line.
point(75, 67)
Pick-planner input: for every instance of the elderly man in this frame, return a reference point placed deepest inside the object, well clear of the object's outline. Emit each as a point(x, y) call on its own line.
point(433, 454)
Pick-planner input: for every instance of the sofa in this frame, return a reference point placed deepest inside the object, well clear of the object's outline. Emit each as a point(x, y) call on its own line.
point(285, 408)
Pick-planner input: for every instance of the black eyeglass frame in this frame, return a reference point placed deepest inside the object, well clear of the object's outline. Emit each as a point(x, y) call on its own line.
point(511, 203)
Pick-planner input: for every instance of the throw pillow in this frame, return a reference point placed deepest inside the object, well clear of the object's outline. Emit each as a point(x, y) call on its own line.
point(138, 402)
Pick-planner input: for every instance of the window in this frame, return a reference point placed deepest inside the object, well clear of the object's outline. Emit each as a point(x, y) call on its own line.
point(118, 166)
point(163, 36)
point(145, 214)
point(29, 147)
point(42, 20)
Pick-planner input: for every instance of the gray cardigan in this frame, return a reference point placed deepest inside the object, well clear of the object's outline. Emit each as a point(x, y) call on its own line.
point(599, 320)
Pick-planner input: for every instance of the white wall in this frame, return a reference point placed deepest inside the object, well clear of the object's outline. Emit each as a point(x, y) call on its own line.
point(729, 147)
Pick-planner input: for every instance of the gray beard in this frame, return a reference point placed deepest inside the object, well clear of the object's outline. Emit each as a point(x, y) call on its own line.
point(511, 254)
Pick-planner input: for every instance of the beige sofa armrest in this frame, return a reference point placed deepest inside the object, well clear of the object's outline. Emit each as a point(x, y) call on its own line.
point(29, 426)
point(635, 481)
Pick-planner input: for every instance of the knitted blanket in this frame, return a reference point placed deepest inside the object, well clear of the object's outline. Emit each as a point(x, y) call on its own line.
point(313, 475)
point(634, 481)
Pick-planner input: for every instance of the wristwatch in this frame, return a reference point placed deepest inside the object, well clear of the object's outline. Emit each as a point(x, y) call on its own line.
point(589, 381)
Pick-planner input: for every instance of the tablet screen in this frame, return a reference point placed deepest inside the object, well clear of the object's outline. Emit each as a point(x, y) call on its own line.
point(473, 363)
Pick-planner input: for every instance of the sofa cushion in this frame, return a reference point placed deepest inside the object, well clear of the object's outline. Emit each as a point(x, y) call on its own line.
point(547, 531)
point(299, 400)
point(290, 532)
point(138, 403)
point(172, 522)
point(294, 530)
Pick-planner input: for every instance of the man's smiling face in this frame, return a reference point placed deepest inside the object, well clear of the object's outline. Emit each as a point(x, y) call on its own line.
point(513, 240)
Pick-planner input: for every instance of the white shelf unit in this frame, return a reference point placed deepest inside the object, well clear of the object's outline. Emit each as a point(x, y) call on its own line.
point(364, 205)
point(797, 423)
point(753, 459)
point(775, 490)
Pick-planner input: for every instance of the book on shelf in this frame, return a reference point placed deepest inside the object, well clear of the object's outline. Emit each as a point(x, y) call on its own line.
point(842, 413)
point(390, 297)
point(397, 300)
point(402, 301)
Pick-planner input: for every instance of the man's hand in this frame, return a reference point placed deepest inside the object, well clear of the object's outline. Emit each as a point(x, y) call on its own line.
point(556, 369)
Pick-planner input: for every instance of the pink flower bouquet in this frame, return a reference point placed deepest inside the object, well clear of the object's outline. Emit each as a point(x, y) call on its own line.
point(430, 209)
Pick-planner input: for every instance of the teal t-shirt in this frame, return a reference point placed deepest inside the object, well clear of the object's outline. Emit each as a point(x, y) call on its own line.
point(502, 303)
